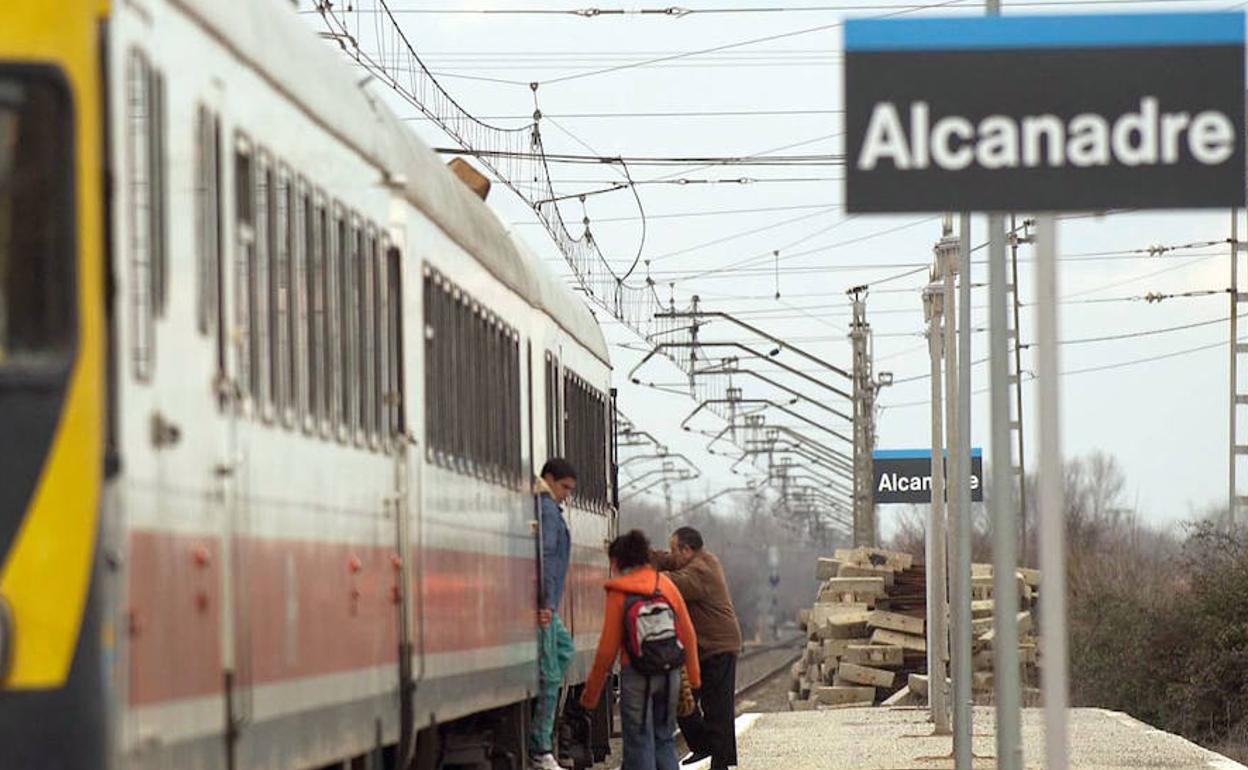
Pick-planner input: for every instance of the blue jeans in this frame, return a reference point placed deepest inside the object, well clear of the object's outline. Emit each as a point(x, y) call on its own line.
point(648, 724)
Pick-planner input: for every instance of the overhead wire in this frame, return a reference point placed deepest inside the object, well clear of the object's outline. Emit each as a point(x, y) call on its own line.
point(679, 12)
point(821, 249)
point(716, 212)
point(730, 46)
point(820, 159)
point(1087, 340)
point(788, 113)
point(628, 178)
point(1090, 369)
point(746, 233)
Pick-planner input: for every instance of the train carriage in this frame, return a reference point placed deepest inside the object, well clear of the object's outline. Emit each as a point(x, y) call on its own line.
point(274, 384)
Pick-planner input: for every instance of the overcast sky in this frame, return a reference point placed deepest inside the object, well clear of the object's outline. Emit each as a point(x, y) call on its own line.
point(1165, 420)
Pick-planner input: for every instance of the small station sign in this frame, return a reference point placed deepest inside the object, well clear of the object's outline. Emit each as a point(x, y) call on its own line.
point(905, 475)
point(1045, 113)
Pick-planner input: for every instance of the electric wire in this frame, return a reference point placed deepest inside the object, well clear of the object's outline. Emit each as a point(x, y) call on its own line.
point(802, 161)
point(1089, 370)
point(679, 12)
point(731, 46)
point(788, 113)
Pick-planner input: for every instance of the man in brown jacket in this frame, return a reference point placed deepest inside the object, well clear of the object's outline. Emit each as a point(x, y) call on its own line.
point(700, 578)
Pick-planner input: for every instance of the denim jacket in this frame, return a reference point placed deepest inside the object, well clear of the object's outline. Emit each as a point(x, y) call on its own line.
point(556, 550)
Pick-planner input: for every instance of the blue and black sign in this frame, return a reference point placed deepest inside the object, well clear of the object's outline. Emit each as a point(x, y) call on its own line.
point(905, 475)
point(1045, 113)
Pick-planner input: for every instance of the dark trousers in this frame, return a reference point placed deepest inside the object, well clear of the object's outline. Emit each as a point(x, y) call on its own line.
point(714, 731)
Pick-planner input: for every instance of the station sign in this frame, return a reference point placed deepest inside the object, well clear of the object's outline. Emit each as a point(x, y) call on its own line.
point(1045, 113)
point(905, 475)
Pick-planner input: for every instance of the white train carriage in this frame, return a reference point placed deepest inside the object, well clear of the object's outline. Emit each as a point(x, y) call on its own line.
point(333, 376)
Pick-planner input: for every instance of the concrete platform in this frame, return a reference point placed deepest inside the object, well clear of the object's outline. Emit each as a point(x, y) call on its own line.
point(900, 739)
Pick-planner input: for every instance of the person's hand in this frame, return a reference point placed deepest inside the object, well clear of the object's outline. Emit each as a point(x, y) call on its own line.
point(544, 617)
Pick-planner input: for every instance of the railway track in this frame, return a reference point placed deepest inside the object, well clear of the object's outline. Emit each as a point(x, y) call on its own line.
point(767, 661)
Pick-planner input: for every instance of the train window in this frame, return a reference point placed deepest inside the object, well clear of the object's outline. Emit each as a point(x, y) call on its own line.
point(157, 189)
point(322, 352)
point(460, 395)
point(207, 213)
point(296, 406)
point(432, 304)
point(313, 306)
point(261, 394)
point(210, 267)
point(586, 439)
point(492, 409)
point(394, 291)
point(279, 275)
point(470, 366)
point(346, 328)
point(294, 273)
point(334, 248)
point(364, 240)
point(141, 187)
point(381, 355)
point(554, 416)
point(513, 368)
point(472, 384)
point(219, 277)
point(36, 213)
point(245, 216)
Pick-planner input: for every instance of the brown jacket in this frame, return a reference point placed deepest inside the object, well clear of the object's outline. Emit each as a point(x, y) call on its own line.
point(702, 584)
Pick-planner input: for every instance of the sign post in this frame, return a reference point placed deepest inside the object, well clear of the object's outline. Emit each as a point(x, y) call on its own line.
point(1040, 114)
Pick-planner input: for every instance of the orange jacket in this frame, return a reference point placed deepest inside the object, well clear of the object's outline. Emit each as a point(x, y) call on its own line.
point(638, 581)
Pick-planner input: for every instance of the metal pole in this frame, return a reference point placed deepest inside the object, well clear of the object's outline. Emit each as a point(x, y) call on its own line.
point(1004, 515)
point(960, 607)
point(959, 579)
point(1233, 432)
point(1021, 469)
point(937, 542)
point(1051, 511)
point(864, 503)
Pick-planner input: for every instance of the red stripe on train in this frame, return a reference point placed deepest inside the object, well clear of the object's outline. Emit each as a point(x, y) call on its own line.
point(306, 608)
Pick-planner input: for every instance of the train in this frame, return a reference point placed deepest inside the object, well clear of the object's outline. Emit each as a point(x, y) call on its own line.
point(274, 385)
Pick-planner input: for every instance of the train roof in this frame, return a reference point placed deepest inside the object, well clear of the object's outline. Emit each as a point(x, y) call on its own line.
point(268, 36)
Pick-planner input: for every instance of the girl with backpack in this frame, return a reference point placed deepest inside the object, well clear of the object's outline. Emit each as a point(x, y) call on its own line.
point(648, 626)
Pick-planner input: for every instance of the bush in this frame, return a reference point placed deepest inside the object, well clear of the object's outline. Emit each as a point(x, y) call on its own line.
point(1162, 632)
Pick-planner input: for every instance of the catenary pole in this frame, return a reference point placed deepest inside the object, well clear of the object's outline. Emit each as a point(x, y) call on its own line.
point(1001, 502)
point(1052, 522)
point(1006, 676)
point(959, 579)
point(937, 537)
point(961, 609)
point(1232, 500)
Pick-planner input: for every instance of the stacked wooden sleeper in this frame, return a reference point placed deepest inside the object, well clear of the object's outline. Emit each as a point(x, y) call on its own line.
point(867, 633)
point(860, 648)
point(983, 634)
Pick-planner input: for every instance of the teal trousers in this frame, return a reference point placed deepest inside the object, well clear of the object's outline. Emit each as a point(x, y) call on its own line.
point(554, 655)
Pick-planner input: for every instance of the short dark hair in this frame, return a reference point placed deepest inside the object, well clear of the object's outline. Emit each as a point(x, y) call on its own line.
point(689, 538)
point(559, 468)
point(631, 549)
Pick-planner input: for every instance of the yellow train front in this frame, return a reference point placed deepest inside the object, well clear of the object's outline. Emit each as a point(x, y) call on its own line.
point(273, 387)
point(54, 642)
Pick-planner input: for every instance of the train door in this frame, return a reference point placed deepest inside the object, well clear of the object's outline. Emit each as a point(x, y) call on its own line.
point(405, 501)
point(244, 404)
point(217, 408)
